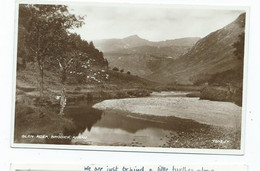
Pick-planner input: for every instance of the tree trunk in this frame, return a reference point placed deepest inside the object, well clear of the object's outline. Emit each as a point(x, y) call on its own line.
point(41, 84)
point(63, 100)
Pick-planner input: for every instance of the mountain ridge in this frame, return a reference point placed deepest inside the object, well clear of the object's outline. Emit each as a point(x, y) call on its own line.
point(135, 41)
point(144, 58)
point(210, 55)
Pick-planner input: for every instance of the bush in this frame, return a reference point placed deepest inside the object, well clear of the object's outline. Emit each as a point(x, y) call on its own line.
point(115, 69)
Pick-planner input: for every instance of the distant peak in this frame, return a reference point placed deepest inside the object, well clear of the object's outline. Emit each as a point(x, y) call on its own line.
point(133, 37)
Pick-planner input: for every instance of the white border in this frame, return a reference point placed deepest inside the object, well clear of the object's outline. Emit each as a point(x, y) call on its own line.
point(138, 149)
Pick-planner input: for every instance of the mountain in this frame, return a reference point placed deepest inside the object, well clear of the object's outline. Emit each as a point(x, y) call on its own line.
point(142, 57)
point(211, 55)
point(109, 45)
point(113, 45)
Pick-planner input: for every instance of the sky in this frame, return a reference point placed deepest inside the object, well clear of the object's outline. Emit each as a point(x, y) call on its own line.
point(151, 22)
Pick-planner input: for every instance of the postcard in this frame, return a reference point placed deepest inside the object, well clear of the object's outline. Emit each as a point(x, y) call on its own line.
point(130, 77)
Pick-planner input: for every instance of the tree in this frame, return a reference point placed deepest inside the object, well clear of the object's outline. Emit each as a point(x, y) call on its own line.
point(122, 70)
point(91, 44)
point(44, 37)
point(47, 27)
point(105, 63)
point(23, 51)
point(69, 61)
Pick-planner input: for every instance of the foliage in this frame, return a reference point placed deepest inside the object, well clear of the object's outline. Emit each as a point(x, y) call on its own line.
point(115, 69)
point(45, 37)
point(46, 28)
point(91, 44)
point(43, 32)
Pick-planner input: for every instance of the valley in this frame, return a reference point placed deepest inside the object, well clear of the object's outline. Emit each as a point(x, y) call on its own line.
point(142, 57)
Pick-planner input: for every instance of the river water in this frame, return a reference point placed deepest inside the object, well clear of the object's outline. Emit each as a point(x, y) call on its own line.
point(148, 121)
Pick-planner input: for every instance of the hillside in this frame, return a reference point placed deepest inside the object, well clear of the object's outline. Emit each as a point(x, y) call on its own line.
point(213, 54)
point(96, 80)
point(142, 57)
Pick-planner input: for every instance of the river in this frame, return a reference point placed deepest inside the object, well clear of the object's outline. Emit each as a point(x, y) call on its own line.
point(149, 121)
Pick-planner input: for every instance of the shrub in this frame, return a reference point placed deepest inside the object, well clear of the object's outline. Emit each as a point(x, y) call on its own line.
point(115, 69)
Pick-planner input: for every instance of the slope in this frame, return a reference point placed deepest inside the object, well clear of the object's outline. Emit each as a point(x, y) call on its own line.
point(210, 55)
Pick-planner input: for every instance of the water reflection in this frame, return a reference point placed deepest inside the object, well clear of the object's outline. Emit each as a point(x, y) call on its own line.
point(84, 116)
point(132, 123)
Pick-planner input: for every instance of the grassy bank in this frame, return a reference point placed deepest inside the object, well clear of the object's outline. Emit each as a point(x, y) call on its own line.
point(36, 118)
point(222, 93)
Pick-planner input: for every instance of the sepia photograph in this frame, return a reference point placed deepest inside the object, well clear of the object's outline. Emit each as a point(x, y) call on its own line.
point(130, 77)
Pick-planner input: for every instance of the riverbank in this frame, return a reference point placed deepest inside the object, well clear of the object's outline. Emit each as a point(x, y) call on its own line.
point(35, 118)
point(224, 114)
point(39, 116)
